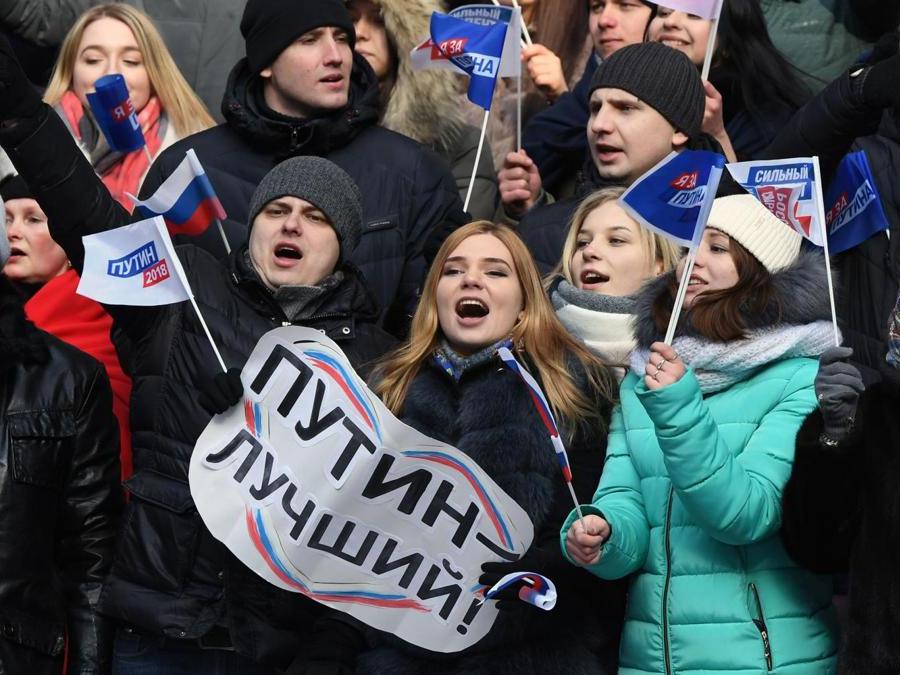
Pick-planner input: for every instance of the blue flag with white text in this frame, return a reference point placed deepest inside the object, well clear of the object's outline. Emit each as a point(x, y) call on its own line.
point(474, 49)
point(115, 114)
point(854, 210)
point(675, 196)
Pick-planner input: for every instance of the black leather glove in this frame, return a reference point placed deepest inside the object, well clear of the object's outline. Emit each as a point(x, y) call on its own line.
point(222, 391)
point(879, 83)
point(838, 386)
point(18, 97)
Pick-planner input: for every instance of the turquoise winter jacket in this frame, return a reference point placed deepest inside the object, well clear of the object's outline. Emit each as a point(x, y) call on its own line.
point(692, 491)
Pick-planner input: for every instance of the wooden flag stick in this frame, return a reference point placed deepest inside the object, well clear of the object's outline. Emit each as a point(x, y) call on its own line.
point(820, 215)
point(484, 124)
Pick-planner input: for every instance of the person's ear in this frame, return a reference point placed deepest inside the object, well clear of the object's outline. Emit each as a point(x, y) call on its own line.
point(266, 73)
point(679, 140)
point(658, 268)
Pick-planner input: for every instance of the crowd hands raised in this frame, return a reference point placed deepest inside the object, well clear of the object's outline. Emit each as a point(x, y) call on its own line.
point(725, 477)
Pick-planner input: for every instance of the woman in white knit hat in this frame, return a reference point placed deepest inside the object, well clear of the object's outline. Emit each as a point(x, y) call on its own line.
point(699, 452)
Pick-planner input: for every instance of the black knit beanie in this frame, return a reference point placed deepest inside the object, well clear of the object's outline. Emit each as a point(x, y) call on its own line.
point(269, 26)
point(14, 187)
point(662, 77)
point(323, 184)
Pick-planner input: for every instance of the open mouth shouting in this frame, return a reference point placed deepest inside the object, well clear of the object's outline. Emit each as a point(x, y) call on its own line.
point(590, 279)
point(607, 153)
point(15, 253)
point(471, 311)
point(333, 81)
point(287, 255)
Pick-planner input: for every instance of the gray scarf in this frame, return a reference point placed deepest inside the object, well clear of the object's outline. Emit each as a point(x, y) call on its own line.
point(297, 302)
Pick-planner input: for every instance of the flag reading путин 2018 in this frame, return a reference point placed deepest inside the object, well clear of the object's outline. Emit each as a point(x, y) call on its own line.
point(133, 265)
point(476, 50)
point(675, 196)
point(115, 114)
point(787, 188)
point(186, 199)
point(854, 210)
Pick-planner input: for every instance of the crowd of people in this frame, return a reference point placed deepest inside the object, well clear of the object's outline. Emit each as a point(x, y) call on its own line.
point(736, 482)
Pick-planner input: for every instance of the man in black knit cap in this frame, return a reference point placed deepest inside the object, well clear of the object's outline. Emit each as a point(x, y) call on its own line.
point(301, 90)
point(646, 101)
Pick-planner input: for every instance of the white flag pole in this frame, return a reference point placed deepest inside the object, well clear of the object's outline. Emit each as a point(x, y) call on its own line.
point(224, 238)
point(147, 154)
point(820, 215)
point(525, 32)
point(484, 124)
point(679, 297)
point(179, 271)
point(711, 43)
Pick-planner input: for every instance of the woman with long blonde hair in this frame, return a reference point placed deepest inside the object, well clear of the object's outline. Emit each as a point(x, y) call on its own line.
point(607, 256)
point(483, 292)
point(117, 38)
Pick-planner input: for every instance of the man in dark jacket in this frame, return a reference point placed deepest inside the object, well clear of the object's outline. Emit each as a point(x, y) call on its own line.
point(184, 602)
point(646, 101)
point(302, 91)
point(60, 499)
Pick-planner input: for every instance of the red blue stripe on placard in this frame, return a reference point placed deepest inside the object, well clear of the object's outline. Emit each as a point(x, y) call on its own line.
point(331, 367)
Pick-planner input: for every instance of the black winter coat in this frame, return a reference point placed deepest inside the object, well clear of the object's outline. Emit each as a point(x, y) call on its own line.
point(60, 499)
point(489, 415)
point(170, 577)
point(841, 515)
point(836, 122)
point(408, 192)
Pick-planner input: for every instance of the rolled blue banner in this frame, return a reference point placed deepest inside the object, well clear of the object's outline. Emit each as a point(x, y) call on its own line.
point(115, 114)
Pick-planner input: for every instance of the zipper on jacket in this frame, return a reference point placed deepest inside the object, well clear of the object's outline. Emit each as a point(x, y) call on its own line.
point(665, 598)
point(760, 622)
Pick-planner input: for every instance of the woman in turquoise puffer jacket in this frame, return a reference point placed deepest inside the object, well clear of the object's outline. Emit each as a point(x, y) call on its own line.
point(698, 456)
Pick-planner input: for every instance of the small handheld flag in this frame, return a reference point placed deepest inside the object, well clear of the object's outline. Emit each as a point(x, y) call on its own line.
point(186, 199)
point(534, 588)
point(473, 49)
point(115, 114)
point(546, 415)
point(708, 9)
point(674, 197)
point(854, 209)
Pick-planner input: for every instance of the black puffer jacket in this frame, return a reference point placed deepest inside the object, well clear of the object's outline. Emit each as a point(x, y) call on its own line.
point(170, 577)
point(835, 122)
point(60, 499)
point(407, 191)
point(841, 515)
point(489, 415)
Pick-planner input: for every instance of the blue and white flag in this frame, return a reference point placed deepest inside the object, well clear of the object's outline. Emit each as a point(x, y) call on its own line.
point(675, 196)
point(854, 210)
point(474, 49)
point(787, 188)
point(115, 114)
point(133, 265)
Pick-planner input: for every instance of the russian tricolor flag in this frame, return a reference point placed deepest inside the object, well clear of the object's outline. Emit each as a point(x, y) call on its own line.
point(186, 199)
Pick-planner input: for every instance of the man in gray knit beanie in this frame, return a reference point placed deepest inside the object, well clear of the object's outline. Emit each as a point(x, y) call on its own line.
point(305, 221)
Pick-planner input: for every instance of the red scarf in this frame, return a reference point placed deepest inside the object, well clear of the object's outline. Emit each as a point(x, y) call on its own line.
point(83, 323)
point(126, 174)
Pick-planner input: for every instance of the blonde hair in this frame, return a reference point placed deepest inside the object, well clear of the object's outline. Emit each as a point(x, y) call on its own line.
point(184, 108)
point(657, 249)
point(538, 333)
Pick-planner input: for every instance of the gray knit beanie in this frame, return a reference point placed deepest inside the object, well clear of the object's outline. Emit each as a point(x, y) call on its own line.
point(662, 77)
point(324, 185)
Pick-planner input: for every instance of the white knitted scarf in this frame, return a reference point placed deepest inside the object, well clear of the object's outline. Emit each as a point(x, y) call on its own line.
point(718, 365)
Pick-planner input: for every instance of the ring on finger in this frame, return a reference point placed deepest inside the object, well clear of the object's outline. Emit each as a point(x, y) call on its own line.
point(659, 365)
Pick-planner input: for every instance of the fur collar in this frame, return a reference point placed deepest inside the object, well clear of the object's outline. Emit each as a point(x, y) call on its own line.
point(20, 342)
point(422, 105)
point(800, 297)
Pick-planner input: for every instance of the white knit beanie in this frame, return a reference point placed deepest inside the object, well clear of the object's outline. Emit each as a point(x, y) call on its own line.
point(743, 218)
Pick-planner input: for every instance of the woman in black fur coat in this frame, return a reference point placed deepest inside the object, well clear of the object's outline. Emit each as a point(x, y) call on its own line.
point(842, 503)
point(484, 292)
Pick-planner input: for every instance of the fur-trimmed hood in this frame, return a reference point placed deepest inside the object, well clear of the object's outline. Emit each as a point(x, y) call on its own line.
point(423, 105)
point(799, 297)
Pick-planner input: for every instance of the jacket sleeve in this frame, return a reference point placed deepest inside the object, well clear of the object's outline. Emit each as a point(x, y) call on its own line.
point(826, 126)
point(821, 499)
point(619, 500)
point(485, 192)
point(76, 201)
point(43, 22)
point(89, 516)
point(735, 499)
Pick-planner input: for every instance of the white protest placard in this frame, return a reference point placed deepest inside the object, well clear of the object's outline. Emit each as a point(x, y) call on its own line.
point(319, 489)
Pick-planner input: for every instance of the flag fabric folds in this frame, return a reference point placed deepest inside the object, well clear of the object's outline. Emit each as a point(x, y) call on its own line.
point(186, 199)
point(675, 196)
point(115, 114)
point(474, 49)
point(426, 56)
point(787, 188)
point(854, 211)
point(708, 9)
point(133, 265)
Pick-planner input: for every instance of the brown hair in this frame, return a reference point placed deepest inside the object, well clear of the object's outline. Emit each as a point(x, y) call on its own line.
point(719, 315)
point(562, 27)
point(545, 340)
